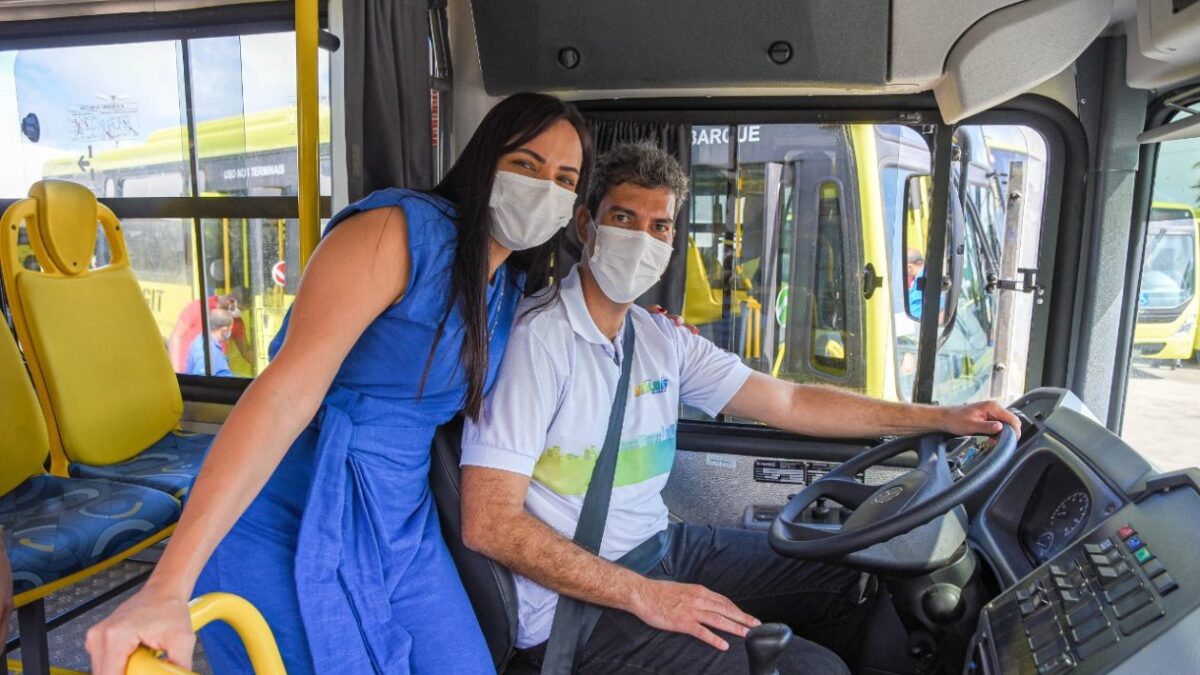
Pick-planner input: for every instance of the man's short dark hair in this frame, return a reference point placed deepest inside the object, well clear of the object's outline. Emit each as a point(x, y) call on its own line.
point(218, 319)
point(643, 164)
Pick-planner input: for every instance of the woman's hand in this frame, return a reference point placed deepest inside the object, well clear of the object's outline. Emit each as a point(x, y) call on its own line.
point(659, 309)
point(156, 619)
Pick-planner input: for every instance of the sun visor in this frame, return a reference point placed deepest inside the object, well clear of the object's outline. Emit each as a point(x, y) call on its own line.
point(559, 45)
point(1015, 49)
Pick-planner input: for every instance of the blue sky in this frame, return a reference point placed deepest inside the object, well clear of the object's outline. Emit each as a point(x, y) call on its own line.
point(230, 76)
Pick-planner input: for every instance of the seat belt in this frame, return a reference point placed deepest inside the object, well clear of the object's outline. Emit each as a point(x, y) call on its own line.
point(574, 619)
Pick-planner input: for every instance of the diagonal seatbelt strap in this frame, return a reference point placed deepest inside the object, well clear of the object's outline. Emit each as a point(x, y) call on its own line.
point(574, 619)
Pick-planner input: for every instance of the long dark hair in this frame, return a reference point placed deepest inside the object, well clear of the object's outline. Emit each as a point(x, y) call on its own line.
point(468, 185)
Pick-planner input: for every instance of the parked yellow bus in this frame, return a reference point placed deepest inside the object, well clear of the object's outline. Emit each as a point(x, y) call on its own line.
point(797, 253)
point(1167, 300)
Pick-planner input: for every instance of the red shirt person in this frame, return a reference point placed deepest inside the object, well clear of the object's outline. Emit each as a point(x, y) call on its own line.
point(188, 326)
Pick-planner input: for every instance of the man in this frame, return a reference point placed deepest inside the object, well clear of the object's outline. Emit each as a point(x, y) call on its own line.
point(220, 329)
point(915, 270)
point(187, 327)
point(528, 459)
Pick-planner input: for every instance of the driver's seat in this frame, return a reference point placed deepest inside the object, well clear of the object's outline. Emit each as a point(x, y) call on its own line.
point(489, 584)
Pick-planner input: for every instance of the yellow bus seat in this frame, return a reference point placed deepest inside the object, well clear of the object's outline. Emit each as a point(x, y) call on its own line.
point(245, 620)
point(58, 531)
point(700, 304)
point(98, 362)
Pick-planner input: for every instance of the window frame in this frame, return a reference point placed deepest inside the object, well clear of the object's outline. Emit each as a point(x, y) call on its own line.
point(182, 26)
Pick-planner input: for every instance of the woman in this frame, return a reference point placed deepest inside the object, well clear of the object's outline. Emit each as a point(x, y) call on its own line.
point(399, 323)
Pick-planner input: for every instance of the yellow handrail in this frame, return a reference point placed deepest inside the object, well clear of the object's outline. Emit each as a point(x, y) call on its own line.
point(308, 127)
point(249, 624)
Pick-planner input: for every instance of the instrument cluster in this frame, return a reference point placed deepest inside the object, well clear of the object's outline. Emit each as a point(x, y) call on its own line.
point(1058, 510)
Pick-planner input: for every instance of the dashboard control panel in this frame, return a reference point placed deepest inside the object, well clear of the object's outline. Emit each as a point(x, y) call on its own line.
point(1097, 602)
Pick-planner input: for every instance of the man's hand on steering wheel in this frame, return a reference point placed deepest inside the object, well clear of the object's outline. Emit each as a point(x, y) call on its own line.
point(985, 417)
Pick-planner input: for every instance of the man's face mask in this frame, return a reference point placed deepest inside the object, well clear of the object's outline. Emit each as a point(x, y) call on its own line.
point(625, 263)
point(526, 212)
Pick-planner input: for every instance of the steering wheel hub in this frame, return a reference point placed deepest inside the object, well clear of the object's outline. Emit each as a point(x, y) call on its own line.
point(910, 525)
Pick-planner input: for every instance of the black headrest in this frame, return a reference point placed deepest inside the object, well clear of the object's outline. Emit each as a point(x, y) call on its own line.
point(488, 583)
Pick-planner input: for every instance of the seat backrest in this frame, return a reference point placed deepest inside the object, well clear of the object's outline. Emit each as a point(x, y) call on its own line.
point(489, 584)
point(23, 440)
point(93, 347)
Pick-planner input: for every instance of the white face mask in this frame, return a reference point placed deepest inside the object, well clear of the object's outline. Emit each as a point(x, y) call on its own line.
point(626, 263)
point(526, 211)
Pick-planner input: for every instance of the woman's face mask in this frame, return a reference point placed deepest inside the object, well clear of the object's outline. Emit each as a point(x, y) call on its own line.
point(526, 212)
point(626, 263)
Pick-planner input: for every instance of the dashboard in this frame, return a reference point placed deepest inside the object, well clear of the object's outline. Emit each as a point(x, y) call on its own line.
point(1094, 552)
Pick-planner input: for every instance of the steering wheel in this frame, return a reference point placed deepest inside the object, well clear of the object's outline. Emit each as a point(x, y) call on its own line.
point(911, 524)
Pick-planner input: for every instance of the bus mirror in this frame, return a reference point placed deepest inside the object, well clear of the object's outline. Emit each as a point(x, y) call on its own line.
point(917, 199)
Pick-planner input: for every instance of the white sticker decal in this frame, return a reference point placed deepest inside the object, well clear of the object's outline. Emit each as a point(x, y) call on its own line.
point(721, 461)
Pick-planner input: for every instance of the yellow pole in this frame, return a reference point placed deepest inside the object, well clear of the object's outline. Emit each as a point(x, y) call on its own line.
point(280, 230)
point(308, 126)
point(225, 252)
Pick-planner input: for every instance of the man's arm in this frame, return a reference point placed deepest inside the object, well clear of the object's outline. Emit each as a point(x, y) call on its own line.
point(496, 524)
point(836, 413)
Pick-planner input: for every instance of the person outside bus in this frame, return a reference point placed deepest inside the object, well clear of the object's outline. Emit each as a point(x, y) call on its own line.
point(188, 327)
point(220, 327)
point(314, 501)
point(915, 270)
point(527, 460)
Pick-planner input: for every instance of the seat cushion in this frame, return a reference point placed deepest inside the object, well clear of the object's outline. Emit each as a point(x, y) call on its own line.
point(55, 527)
point(170, 465)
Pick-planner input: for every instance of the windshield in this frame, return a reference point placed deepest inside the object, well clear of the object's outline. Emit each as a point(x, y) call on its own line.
point(1168, 276)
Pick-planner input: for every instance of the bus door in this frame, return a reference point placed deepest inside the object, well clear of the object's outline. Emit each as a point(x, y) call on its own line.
point(990, 241)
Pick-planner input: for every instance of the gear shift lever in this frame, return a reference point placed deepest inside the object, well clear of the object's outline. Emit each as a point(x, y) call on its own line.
point(766, 643)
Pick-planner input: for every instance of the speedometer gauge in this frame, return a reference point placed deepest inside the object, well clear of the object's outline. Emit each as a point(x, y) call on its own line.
point(1070, 515)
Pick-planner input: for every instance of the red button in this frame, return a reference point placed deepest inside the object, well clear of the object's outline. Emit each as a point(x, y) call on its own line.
point(1125, 532)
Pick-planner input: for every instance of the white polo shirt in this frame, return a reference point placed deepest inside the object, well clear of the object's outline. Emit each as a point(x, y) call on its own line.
point(547, 414)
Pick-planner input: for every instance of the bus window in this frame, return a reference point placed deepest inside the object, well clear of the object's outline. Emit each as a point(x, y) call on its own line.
point(245, 112)
point(828, 325)
point(791, 240)
point(78, 116)
point(1164, 380)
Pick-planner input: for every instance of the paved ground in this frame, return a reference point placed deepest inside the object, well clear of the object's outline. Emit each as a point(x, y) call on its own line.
point(1162, 414)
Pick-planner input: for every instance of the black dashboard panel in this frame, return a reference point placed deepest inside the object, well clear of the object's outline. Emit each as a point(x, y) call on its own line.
point(1096, 552)
point(1014, 521)
point(1100, 602)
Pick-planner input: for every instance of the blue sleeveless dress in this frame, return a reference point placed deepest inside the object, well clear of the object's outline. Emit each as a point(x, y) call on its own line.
point(342, 550)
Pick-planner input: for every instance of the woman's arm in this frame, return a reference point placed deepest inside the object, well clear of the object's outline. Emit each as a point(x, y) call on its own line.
point(356, 272)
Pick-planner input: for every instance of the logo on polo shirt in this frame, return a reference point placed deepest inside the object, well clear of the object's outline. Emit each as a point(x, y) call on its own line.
point(651, 387)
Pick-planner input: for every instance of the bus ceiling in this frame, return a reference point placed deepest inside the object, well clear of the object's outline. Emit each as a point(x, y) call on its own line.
point(973, 55)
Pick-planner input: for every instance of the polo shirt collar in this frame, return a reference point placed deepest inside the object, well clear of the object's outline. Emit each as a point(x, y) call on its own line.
point(577, 312)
